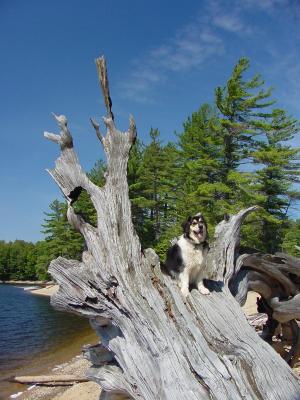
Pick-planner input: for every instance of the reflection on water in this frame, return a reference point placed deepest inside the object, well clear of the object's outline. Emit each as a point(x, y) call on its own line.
point(32, 333)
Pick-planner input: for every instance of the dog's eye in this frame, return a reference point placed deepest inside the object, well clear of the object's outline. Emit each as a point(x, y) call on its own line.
point(194, 223)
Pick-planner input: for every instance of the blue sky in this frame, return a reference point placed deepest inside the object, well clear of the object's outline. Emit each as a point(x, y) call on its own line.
point(164, 60)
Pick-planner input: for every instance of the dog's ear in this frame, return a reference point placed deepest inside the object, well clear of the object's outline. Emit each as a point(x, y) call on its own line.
point(205, 223)
point(226, 217)
point(186, 225)
point(204, 220)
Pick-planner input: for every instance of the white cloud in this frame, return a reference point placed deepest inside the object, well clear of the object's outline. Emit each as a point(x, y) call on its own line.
point(229, 23)
point(224, 17)
point(231, 16)
point(289, 89)
point(189, 48)
point(267, 5)
point(196, 42)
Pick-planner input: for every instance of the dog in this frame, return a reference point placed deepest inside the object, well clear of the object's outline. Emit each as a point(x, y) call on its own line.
point(186, 259)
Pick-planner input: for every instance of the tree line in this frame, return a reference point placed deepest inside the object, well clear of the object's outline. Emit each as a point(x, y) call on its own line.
point(231, 154)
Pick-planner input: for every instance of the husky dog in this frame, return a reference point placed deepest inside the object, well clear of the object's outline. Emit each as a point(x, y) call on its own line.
point(186, 258)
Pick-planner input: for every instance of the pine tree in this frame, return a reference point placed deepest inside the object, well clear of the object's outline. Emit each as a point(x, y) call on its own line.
point(149, 197)
point(168, 189)
point(152, 167)
point(4, 254)
point(136, 190)
point(29, 271)
point(291, 240)
point(44, 255)
point(19, 262)
point(281, 169)
point(152, 188)
point(62, 239)
point(199, 164)
point(241, 103)
point(168, 185)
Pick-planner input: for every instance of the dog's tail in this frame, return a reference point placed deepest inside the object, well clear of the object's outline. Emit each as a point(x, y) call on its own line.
point(167, 271)
point(164, 268)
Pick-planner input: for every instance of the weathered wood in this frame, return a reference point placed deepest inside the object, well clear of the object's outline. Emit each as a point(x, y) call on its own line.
point(46, 379)
point(277, 279)
point(162, 346)
point(98, 354)
point(55, 384)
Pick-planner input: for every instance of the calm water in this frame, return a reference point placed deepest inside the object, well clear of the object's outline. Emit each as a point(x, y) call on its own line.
point(30, 330)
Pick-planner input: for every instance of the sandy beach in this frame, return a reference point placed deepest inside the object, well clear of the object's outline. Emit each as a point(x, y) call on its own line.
point(83, 391)
point(48, 290)
point(250, 307)
point(76, 366)
point(67, 360)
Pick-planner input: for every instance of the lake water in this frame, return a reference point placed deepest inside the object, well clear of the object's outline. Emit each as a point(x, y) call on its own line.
point(34, 336)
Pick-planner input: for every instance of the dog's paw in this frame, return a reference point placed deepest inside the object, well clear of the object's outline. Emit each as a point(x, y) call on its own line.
point(184, 291)
point(202, 289)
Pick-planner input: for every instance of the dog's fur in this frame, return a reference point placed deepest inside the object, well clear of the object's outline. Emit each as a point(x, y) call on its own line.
point(186, 259)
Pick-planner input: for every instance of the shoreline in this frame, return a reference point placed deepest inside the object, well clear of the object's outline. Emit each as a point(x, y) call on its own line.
point(66, 358)
point(78, 366)
point(41, 288)
point(74, 366)
point(47, 290)
point(27, 283)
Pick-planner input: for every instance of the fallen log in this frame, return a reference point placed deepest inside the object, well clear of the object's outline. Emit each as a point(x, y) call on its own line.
point(49, 379)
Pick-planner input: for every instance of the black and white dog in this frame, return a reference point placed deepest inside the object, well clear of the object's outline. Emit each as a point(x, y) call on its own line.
point(186, 258)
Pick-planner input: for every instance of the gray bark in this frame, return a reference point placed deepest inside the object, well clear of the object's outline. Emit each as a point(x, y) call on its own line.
point(154, 343)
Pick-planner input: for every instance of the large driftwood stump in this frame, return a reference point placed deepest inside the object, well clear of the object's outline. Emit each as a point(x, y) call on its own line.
point(154, 343)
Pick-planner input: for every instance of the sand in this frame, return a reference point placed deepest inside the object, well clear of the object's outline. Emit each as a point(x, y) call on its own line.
point(48, 290)
point(250, 307)
point(83, 391)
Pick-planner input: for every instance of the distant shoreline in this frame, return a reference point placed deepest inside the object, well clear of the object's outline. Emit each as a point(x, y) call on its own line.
point(60, 357)
point(27, 282)
point(45, 288)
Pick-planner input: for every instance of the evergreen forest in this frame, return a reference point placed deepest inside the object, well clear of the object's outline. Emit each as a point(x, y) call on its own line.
point(230, 155)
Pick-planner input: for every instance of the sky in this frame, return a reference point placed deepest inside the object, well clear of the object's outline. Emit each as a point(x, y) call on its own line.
point(164, 58)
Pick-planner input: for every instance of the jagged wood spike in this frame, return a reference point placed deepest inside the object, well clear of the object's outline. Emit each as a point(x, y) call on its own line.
point(102, 74)
point(96, 126)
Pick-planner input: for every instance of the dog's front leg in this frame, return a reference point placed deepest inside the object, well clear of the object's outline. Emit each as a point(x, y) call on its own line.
point(183, 280)
point(202, 289)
